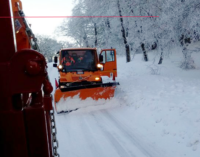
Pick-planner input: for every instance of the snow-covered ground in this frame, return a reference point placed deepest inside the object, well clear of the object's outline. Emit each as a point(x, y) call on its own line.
point(155, 112)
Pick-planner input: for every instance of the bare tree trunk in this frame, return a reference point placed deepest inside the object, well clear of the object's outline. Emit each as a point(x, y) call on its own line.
point(161, 57)
point(144, 52)
point(85, 39)
point(108, 32)
point(108, 23)
point(95, 33)
point(128, 58)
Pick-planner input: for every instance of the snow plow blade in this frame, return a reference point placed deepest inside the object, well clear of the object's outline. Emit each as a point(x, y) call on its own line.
point(97, 91)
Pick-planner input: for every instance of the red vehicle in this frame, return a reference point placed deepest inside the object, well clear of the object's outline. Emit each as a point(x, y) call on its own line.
point(27, 126)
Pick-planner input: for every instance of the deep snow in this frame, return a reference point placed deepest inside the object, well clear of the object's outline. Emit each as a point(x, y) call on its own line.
point(155, 112)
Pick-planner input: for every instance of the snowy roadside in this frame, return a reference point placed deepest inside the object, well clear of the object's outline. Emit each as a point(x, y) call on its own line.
point(160, 111)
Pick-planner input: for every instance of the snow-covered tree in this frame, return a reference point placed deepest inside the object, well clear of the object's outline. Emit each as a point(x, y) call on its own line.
point(48, 46)
point(178, 21)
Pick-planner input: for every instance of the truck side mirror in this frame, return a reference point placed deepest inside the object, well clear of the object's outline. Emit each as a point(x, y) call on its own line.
point(55, 59)
point(100, 58)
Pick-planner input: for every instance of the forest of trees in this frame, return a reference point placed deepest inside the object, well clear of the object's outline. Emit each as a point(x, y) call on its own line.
point(178, 24)
point(49, 46)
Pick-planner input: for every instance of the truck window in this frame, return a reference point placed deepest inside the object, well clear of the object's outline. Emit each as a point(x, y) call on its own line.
point(110, 56)
point(73, 60)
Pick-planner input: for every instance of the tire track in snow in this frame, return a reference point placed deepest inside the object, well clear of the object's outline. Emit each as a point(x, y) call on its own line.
point(130, 136)
point(68, 134)
point(85, 143)
point(93, 144)
point(122, 152)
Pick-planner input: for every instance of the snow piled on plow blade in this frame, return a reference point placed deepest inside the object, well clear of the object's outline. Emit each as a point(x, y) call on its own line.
point(72, 104)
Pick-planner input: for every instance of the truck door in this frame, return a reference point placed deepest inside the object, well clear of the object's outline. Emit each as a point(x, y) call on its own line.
point(108, 58)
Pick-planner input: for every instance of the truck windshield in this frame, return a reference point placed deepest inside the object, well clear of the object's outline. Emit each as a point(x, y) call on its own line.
point(73, 60)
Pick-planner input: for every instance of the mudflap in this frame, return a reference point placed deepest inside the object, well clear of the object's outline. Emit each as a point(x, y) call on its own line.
point(96, 91)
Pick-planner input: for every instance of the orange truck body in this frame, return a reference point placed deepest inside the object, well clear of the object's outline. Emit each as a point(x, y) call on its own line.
point(94, 87)
point(26, 103)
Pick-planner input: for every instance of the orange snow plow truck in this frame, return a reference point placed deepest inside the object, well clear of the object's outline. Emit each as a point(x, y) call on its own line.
point(81, 71)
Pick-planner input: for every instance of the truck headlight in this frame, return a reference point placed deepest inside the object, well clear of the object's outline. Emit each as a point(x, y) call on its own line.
point(60, 67)
point(97, 78)
point(99, 66)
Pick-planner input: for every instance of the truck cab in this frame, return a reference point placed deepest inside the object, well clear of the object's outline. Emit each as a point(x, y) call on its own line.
point(84, 65)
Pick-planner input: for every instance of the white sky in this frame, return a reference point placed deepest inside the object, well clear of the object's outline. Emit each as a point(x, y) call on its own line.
point(46, 26)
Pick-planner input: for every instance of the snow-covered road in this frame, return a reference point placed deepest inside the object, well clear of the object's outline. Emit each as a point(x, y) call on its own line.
point(102, 134)
point(154, 113)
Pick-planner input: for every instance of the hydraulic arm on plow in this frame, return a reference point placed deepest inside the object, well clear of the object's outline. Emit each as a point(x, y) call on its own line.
point(27, 126)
